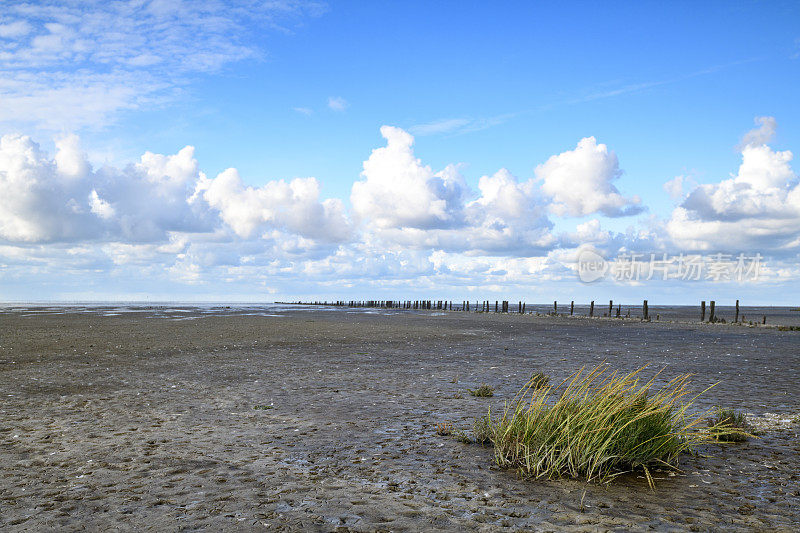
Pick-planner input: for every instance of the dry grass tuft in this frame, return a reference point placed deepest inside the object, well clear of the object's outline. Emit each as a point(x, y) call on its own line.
point(444, 428)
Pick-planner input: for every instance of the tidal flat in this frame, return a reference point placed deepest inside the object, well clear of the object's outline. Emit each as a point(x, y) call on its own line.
point(181, 418)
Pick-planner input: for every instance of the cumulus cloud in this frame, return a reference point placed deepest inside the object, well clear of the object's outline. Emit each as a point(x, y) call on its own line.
point(579, 182)
point(398, 191)
point(161, 217)
point(294, 206)
point(406, 203)
point(63, 199)
point(759, 206)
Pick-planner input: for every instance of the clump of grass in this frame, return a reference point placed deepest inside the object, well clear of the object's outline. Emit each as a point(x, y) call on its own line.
point(462, 436)
point(484, 391)
point(483, 430)
point(600, 425)
point(728, 425)
point(444, 428)
point(262, 407)
point(539, 380)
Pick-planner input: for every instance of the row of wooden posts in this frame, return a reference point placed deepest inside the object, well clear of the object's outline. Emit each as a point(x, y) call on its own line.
point(503, 307)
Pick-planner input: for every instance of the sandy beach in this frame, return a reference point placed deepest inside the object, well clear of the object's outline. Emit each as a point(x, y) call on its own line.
point(325, 420)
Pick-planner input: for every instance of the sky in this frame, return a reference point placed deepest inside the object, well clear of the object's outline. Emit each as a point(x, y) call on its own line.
point(159, 150)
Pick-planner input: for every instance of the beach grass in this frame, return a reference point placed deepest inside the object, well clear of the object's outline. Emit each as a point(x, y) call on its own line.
point(729, 425)
point(484, 391)
point(539, 380)
point(597, 425)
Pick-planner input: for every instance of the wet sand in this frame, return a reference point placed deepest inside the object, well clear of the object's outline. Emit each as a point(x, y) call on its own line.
point(141, 422)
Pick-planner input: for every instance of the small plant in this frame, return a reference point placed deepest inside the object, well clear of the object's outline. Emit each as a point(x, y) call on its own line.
point(444, 428)
point(727, 425)
point(262, 407)
point(482, 429)
point(597, 425)
point(539, 380)
point(462, 436)
point(484, 391)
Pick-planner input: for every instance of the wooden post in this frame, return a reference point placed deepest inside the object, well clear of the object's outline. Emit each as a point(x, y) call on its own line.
point(571, 307)
point(645, 313)
point(711, 318)
point(610, 307)
point(591, 309)
point(523, 308)
point(519, 310)
point(764, 320)
point(555, 308)
point(496, 307)
point(703, 311)
point(736, 319)
point(619, 310)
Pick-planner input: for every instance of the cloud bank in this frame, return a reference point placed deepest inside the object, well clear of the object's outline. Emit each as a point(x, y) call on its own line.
point(162, 217)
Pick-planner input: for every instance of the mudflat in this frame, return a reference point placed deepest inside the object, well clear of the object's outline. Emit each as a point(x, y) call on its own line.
point(325, 420)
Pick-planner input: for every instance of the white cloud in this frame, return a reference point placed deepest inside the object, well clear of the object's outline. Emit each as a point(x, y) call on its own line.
point(12, 30)
point(458, 125)
point(304, 111)
point(580, 182)
point(674, 187)
point(759, 207)
point(293, 206)
point(67, 65)
point(398, 191)
point(763, 134)
point(63, 199)
point(446, 125)
point(403, 202)
point(337, 103)
point(100, 207)
point(161, 218)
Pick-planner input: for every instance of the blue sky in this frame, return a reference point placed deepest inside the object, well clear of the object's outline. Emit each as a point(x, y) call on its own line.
point(299, 90)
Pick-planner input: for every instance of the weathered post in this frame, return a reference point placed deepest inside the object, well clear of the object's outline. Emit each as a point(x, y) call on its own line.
point(523, 308)
point(736, 319)
point(645, 311)
point(610, 307)
point(571, 307)
point(764, 320)
point(703, 311)
point(591, 309)
point(619, 310)
point(519, 308)
point(496, 306)
point(711, 317)
point(555, 307)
